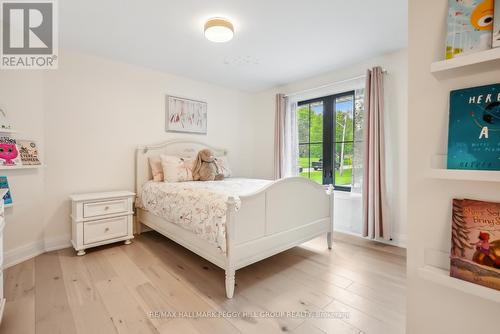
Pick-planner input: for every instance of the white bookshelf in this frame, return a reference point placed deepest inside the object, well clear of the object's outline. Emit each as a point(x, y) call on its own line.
point(7, 131)
point(466, 60)
point(438, 171)
point(442, 277)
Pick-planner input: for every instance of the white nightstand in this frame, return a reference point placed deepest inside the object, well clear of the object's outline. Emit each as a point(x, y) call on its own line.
point(101, 218)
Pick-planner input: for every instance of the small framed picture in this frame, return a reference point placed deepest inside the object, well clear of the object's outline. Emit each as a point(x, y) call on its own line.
point(185, 115)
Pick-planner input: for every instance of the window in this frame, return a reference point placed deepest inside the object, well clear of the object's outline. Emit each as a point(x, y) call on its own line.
point(326, 139)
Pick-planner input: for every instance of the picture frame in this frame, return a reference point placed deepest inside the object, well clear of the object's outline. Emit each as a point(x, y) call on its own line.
point(4, 121)
point(185, 115)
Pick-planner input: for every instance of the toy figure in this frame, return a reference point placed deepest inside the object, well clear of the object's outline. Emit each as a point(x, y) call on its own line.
point(8, 152)
point(485, 252)
point(482, 16)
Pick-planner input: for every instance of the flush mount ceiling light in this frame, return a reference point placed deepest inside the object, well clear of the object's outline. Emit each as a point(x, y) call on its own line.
point(219, 30)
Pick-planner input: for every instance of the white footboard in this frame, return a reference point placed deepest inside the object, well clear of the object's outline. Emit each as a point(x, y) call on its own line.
point(285, 214)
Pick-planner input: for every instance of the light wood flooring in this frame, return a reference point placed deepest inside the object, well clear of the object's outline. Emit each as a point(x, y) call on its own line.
point(114, 288)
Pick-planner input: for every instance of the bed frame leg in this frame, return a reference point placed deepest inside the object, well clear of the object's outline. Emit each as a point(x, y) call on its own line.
point(230, 283)
point(329, 239)
point(138, 227)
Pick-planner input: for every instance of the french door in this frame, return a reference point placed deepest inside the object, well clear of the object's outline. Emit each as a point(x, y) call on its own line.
point(326, 139)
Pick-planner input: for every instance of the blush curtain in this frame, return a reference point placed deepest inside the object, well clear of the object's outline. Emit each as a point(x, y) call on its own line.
point(279, 136)
point(286, 146)
point(375, 221)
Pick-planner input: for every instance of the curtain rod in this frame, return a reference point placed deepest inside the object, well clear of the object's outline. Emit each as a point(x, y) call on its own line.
point(331, 84)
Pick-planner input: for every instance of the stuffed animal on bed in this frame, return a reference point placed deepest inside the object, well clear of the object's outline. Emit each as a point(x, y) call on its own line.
point(205, 168)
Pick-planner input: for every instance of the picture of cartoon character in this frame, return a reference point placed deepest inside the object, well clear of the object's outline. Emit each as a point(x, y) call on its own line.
point(8, 152)
point(482, 16)
point(470, 26)
point(487, 253)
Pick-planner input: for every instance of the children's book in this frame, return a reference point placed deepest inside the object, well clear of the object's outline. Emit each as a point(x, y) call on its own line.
point(9, 155)
point(475, 242)
point(470, 27)
point(4, 184)
point(474, 128)
point(496, 25)
point(28, 151)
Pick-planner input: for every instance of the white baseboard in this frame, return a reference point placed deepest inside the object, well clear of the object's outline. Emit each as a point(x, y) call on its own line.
point(397, 240)
point(28, 251)
point(57, 243)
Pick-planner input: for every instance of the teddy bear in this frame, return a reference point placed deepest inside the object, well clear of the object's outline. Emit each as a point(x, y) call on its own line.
point(205, 168)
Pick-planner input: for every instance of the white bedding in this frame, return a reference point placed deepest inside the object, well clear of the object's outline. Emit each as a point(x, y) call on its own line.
point(197, 206)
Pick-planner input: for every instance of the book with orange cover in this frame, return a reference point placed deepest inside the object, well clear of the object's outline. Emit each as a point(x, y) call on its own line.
point(475, 242)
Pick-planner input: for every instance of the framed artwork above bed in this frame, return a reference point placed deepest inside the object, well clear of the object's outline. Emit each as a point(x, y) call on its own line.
point(185, 115)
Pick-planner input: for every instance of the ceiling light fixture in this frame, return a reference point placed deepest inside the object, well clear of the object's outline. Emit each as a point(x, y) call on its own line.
point(219, 30)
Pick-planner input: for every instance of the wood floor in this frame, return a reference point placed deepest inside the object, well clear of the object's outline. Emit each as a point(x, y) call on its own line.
point(114, 288)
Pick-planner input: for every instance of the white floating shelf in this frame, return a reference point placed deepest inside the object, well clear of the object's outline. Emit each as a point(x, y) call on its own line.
point(466, 60)
point(22, 167)
point(7, 131)
point(439, 171)
point(466, 175)
point(441, 276)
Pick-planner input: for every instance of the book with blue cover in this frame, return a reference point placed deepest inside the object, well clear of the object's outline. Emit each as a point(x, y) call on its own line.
point(474, 128)
point(4, 184)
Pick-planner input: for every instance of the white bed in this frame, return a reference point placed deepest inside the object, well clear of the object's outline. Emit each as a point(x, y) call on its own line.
point(271, 218)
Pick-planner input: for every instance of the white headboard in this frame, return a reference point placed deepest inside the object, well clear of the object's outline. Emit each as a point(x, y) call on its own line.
point(183, 148)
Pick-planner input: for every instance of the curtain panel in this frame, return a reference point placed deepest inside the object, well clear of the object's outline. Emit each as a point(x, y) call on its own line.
point(279, 136)
point(375, 218)
point(286, 145)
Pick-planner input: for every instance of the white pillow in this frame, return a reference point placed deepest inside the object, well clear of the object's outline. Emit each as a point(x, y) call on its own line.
point(156, 169)
point(176, 169)
point(223, 166)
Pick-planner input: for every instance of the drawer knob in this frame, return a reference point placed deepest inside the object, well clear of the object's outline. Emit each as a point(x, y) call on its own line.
point(106, 229)
point(106, 208)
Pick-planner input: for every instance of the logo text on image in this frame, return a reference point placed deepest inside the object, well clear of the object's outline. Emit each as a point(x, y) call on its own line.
point(29, 34)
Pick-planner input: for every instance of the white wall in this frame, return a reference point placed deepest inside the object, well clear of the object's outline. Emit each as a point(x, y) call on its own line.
point(433, 308)
point(21, 96)
point(396, 120)
point(91, 116)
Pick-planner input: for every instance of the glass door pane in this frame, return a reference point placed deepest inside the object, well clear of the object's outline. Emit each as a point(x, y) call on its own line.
point(344, 140)
point(343, 164)
point(316, 122)
point(303, 123)
point(344, 126)
point(316, 163)
point(304, 160)
point(316, 148)
point(310, 123)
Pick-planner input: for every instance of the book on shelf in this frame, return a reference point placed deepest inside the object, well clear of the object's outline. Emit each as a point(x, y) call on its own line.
point(28, 151)
point(474, 128)
point(4, 184)
point(475, 242)
point(9, 154)
point(470, 27)
point(496, 25)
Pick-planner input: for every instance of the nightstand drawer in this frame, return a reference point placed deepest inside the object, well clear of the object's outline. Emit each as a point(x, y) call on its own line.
point(105, 208)
point(104, 229)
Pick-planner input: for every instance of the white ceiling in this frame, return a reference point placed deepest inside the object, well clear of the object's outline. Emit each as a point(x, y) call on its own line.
point(276, 41)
